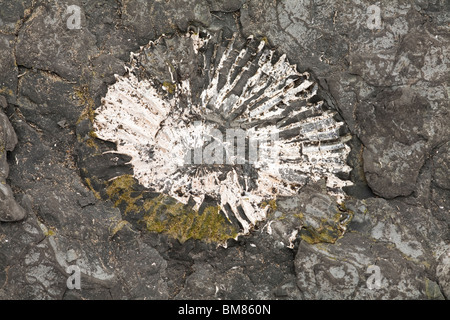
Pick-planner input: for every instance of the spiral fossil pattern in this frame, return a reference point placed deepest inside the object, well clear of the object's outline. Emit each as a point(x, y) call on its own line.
point(184, 94)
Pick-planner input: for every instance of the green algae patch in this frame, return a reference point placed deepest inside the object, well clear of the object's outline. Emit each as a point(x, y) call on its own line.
point(164, 214)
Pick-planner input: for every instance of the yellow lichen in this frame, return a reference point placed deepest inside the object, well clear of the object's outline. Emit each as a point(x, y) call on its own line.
point(93, 134)
point(164, 214)
point(169, 86)
point(121, 192)
point(85, 100)
point(271, 203)
point(49, 233)
point(299, 215)
point(91, 143)
point(327, 234)
point(120, 183)
point(330, 230)
point(6, 91)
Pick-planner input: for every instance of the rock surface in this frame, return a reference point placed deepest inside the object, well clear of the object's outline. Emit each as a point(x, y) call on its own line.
point(387, 78)
point(10, 210)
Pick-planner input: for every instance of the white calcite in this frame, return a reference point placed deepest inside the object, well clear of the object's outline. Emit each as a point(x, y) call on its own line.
point(174, 122)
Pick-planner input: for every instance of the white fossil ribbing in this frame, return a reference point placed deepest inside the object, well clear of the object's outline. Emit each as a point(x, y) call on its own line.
point(244, 89)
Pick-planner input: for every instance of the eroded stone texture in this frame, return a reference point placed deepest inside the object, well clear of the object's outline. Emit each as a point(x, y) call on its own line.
point(8, 68)
point(45, 41)
point(443, 272)
point(10, 210)
point(12, 14)
point(441, 166)
point(380, 235)
point(151, 19)
point(225, 5)
point(339, 271)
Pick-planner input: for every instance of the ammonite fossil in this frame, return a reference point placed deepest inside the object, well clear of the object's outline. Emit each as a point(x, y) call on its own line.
point(219, 126)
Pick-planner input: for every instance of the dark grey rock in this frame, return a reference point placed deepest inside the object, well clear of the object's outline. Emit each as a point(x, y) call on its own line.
point(8, 136)
point(388, 85)
point(443, 273)
point(87, 200)
point(226, 5)
point(379, 234)
point(143, 272)
point(441, 166)
point(237, 272)
point(48, 100)
point(63, 124)
point(8, 68)
point(339, 271)
point(12, 15)
point(3, 102)
point(10, 210)
point(28, 269)
point(151, 19)
point(45, 42)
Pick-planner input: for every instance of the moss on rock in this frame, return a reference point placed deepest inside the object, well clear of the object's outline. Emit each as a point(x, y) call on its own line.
point(164, 214)
point(330, 230)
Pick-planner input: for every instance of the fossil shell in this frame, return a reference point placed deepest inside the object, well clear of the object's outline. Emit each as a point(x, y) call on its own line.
point(187, 97)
